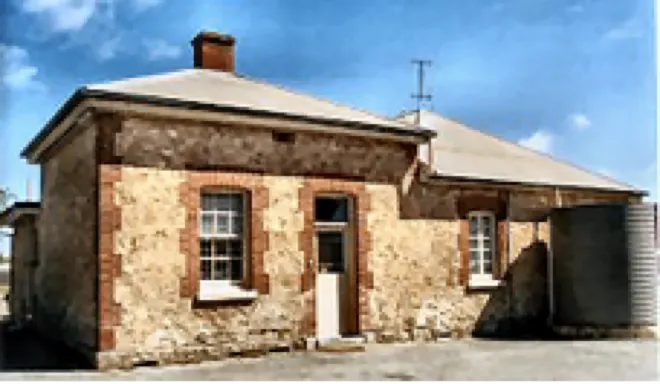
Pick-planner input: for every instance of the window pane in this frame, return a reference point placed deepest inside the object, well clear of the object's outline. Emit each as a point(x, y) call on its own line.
point(331, 209)
point(474, 244)
point(223, 202)
point(222, 223)
point(220, 248)
point(220, 270)
point(488, 255)
point(236, 270)
point(205, 249)
point(237, 203)
point(206, 269)
point(488, 266)
point(487, 243)
point(237, 225)
point(474, 225)
point(331, 251)
point(207, 224)
point(235, 249)
point(207, 202)
point(487, 225)
point(475, 259)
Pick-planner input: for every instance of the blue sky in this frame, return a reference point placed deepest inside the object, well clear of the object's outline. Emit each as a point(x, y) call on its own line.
point(575, 78)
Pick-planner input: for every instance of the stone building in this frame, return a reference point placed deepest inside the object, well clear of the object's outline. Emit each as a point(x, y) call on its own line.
point(200, 213)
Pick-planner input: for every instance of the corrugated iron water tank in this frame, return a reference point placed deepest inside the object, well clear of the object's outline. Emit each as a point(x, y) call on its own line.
point(604, 265)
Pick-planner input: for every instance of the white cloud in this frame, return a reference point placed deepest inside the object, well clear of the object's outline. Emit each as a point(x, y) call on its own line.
point(63, 15)
point(630, 29)
point(540, 141)
point(89, 23)
point(579, 121)
point(161, 50)
point(73, 15)
point(18, 73)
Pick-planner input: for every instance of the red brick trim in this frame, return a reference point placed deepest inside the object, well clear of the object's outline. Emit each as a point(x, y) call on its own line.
point(464, 251)
point(190, 191)
point(109, 261)
point(500, 266)
point(497, 204)
point(365, 280)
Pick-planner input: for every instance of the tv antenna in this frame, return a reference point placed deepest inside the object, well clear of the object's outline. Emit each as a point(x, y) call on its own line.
point(420, 96)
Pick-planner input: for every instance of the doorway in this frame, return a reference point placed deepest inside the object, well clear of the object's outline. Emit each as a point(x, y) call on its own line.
point(336, 280)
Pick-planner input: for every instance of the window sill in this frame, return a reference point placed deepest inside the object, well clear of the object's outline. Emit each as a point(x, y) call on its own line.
point(481, 283)
point(227, 294)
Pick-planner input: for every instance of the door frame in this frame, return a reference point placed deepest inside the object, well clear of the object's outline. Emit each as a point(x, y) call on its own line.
point(349, 288)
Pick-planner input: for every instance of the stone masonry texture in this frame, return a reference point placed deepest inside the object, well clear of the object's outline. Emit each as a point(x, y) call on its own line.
point(65, 280)
point(410, 264)
point(185, 145)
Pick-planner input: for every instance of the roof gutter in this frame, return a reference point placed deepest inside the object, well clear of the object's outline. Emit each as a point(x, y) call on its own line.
point(417, 132)
point(59, 116)
point(465, 179)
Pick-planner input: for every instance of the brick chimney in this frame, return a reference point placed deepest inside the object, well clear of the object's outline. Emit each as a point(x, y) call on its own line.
point(214, 50)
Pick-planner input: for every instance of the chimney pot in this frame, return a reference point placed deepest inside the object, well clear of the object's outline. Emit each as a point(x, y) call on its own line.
point(214, 50)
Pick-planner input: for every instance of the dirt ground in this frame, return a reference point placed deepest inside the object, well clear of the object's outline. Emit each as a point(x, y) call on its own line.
point(35, 359)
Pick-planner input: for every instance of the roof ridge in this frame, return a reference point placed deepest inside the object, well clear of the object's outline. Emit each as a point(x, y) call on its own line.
point(321, 99)
point(143, 79)
point(538, 153)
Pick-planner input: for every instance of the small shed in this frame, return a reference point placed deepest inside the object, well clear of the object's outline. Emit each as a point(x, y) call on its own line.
point(22, 217)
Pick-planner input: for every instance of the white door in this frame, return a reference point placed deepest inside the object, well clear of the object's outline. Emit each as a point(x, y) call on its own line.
point(331, 254)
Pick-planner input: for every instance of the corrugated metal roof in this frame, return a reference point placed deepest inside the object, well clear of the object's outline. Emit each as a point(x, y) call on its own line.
point(228, 89)
point(463, 152)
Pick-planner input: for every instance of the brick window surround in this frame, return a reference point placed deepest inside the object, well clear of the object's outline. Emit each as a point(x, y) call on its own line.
point(312, 188)
point(195, 185)
point(498, 206)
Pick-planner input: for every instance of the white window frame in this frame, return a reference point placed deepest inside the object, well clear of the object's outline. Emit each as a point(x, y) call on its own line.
point(482, 278)
point(220, 289)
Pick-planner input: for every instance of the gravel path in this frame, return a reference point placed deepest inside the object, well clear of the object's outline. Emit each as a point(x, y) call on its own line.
point(450, 360)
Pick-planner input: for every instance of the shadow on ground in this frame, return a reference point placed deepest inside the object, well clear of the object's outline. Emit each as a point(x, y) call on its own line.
point(25, 350)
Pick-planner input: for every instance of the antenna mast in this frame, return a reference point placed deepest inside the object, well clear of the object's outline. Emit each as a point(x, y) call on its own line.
point(420, 95)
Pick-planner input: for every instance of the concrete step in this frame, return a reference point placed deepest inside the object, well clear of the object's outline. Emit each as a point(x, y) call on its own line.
point(343, 344)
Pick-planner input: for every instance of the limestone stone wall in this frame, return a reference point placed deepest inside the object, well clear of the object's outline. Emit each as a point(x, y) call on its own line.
point(148, 245)
point(154, 313)
point(416, 262)
point(416, 293)
point(67, 273)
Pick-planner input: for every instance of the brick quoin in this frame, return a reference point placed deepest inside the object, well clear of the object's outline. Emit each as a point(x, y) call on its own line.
point(109, 262)
point(306, 195)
